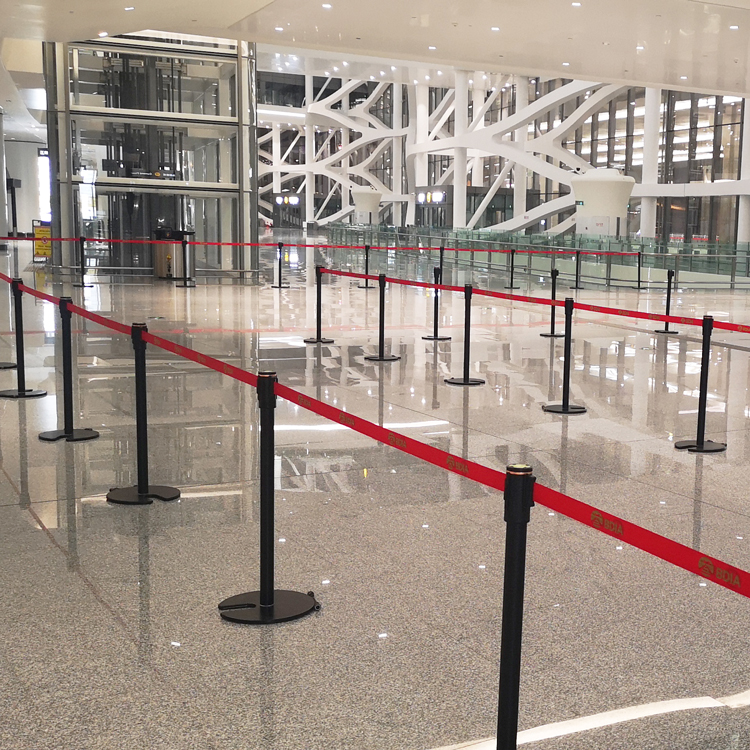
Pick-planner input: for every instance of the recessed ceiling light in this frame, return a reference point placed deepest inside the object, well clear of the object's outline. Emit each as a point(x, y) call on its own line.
point(576, 5)
point(335, 69)
point(130, 7)
point(393, 67)
point(345, 63)
point(103, 33)
point(495, 28)
point(565, 65)
point(640, 47)
point(427, 78)
point(327, 73)
point(279, 28)
point(683, 78)
point(327, 6)
point(440, 72)
point(432, 48)
point(734, 28)
point(416, 81)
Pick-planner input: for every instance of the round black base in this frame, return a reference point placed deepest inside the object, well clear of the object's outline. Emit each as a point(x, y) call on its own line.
point(436, 338)
point(77, 436)
point(709, 446)
point(384, 358)
point(130, 496)
point(28, 393)
point(511, 287)
point(462, 381)
point(83, 286)
point(552, 335)
point(366, 286)
point(318, 341)
point(8, 365)
point(287, 605)
point(674, 333)
point(558, 409)
point(277, 286)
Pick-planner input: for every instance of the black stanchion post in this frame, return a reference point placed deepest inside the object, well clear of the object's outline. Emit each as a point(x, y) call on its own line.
point(319, 321)
point(519, 500)
point(143, 492)
point(436, 312)
point(700, 444)
point(268, 605)
point(670, 277)
point(512, 269)
point(68, 432)
point(552, 335)
point(280, 285)
point(367, 284)
point(466, 380)
point(82, 263)
point(566, 407)
point(21, 391)
point(188, 282)
point(640, 265)
point(381, 356)
point(442, 254)
point(578, 271)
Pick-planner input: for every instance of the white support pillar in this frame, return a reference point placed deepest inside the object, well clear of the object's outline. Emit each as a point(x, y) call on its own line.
point(309, 151)
point(479, 93)
point(398, 166)
point(520, 136)
point(422, 132)
point(460, 155)
point(743, 217)
point(3, 191)
point(651, 135)
point(276, 157)
point(345, 141)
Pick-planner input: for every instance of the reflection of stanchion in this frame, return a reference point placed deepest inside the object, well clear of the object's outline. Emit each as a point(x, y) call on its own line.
point(82, 263)
point(552, 335)
point(144, 586)
point(268, 605)
point(436, 313)
point(700, 444)
point(23, 458)
point(519, 499)
point(640, 266)
point(466, 380)
point(143, 492)
point(367, 284)
point(21, 391)
point(566, 407)
point(70, 434)
point(381, 356)
point(280, 285)
point(512, 269)
point(435, 377)
point(670, 276)
point(319, 321)
point(698, 502)
point(71, 514)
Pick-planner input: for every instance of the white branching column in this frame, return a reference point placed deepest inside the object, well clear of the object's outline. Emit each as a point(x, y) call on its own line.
point(743, 217)
point(651, 132)
point(477, 99)
point(309, 151)
point(460, 166)
point(520, 137)
point(396, 156)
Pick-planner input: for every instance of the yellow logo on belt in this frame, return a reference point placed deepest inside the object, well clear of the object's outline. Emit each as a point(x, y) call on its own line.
point(600, 521)
point(346, 419)
point(456, 465)
point(396, 440)
point(303, 401)
point(709, 569)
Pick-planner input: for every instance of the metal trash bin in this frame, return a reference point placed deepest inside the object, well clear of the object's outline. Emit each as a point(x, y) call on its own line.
point(168, 256)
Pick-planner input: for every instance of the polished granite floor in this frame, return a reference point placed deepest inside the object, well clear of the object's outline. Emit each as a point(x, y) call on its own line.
point(110, 633)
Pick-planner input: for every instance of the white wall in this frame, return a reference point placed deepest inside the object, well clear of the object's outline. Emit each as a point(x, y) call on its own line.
point(21, 163)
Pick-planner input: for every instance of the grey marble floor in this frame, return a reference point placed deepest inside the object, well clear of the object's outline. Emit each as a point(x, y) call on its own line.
point(110, 633)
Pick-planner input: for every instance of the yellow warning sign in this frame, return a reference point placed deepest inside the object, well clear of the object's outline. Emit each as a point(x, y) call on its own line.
point(42, 244)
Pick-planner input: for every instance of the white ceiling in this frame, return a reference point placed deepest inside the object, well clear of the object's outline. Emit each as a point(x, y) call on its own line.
point(600, 39)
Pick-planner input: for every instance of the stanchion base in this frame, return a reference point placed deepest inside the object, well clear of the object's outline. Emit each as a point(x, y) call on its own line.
point(77, 436)
point(558, 409)
point(511, 287)
point(709, 446)
point(465, 381)
point(366, 286)
point(287, 605)
point(318, 341)
point(28, 393)
point(130, 495)
point(277, 286)
point(674, 333)
point(552, 335)
point(384, 358)
point(186, 285)
point(83, 286)
point(8, 365)
point(436, 338)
